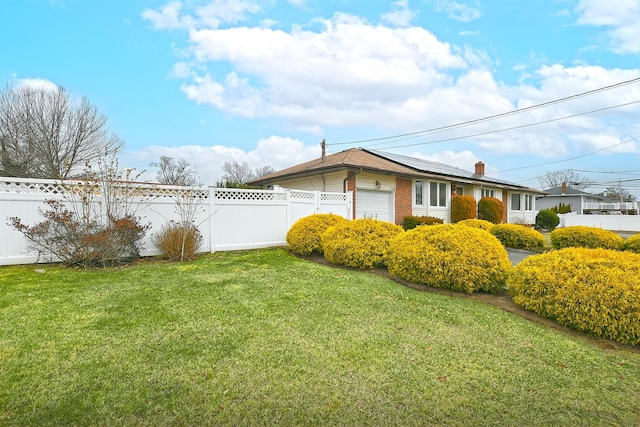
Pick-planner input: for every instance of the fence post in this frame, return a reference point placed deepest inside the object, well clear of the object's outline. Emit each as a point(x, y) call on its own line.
point(212, 219)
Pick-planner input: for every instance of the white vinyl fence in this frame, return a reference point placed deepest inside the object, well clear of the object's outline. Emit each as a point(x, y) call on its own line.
point(228, 219)
point(608, 222)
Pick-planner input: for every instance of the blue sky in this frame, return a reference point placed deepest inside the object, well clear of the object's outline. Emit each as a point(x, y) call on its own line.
point(264, 81)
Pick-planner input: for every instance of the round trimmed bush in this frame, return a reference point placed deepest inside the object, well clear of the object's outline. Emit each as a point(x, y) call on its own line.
point(477, 223)
point(463, 207)
point(490, 209)
point(592, 290)
point(547, 219)
point(632, 244)
point(450, 256)
point(361, 243)
point(580, 236)
point(304, 235)
point(518, 236)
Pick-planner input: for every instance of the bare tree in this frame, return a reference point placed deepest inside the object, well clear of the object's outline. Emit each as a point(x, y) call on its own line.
point(619, 193)
point(263, 171)
point(176, 172)
point(45, 135)
point(553, 179)
point(236, 173)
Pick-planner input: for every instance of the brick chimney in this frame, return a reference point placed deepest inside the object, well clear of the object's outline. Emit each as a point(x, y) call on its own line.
point(564, 187)
point(479, 168)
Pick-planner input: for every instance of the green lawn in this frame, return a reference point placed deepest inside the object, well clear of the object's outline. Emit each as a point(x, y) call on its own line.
point(264, 338)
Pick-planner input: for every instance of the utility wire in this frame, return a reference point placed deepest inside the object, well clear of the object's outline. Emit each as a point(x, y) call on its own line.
point(568, 159)
point(455, 138)
point(492, 117)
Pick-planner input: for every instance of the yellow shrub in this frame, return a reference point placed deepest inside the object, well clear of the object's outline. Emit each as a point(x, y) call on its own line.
point(450, 256)
point(304, 235)
point(518, 236)
point(585, 237)
point(592, 290)
point(361, 243)
point(633, 243)
point(477, 223)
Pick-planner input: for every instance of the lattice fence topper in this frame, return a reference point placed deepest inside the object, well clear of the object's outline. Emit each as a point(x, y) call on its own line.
point(39, 186)
point(302, 195)
point(334, 197)
point(32, 187)
point(235, 194)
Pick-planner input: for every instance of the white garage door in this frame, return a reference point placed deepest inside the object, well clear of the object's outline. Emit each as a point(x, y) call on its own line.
point(374, 204)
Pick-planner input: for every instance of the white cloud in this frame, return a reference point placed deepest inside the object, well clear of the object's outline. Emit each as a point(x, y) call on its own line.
point(211, 15)
point(621, 17)
point(400, 16)
point(276, 151)
point(458, 11)
point(351, 74)
point(168, 18)
point(37, 83)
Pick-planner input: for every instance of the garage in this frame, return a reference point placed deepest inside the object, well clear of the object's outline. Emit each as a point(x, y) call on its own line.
point(374, 204)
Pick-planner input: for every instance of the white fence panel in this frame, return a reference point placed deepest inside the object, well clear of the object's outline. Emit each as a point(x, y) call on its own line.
point(228, 219)
point(607, 222)
point(246, 219)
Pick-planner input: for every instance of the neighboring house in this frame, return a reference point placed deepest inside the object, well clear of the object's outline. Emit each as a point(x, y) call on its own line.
point(583, 203)
point(390, 186)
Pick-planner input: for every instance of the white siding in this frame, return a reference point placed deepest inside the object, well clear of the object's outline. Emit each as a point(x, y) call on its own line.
point(330, 182)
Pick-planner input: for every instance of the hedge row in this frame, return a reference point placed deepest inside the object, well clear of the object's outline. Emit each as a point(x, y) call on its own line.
point(585, 237)
point(450, 256)
point(518, 236)
point(592, 290)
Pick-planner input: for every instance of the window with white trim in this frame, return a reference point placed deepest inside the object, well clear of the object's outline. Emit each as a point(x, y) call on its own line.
point(487, 193)
point(515, 201)
point(528, 202)
point(438, 194)
point(418, 193)
point(459, 191)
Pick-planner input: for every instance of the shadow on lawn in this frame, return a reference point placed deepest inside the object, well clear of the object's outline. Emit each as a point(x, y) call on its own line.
point(502, 301)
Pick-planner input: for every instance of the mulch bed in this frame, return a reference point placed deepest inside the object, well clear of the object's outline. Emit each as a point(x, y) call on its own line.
point(502, 301)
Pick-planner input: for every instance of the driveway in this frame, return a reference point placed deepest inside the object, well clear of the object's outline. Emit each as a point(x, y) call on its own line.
point(517, 255)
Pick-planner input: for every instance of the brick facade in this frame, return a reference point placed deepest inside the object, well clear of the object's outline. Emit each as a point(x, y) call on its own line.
point(351, 186)
point(404, 199)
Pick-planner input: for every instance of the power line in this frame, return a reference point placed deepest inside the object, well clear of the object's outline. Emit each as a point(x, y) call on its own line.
point(509, 128)
point(567, 159)
point(492, 117)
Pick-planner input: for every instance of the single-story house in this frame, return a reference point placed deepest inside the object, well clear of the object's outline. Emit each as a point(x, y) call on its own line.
point(390, 186)
point(584, 203)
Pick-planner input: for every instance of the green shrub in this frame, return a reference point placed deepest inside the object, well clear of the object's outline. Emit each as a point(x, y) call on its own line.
point(304, 236)
point(178, 242)
point(450, 256)
point(633, 243)
point(585, 237)
point(561, 209)
point(490, 209)
point(410, 222)
point(546, 219)
point(361, 243)
point(462, 207)
point(518, 236)
point(477, 223)
point(592, 290)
